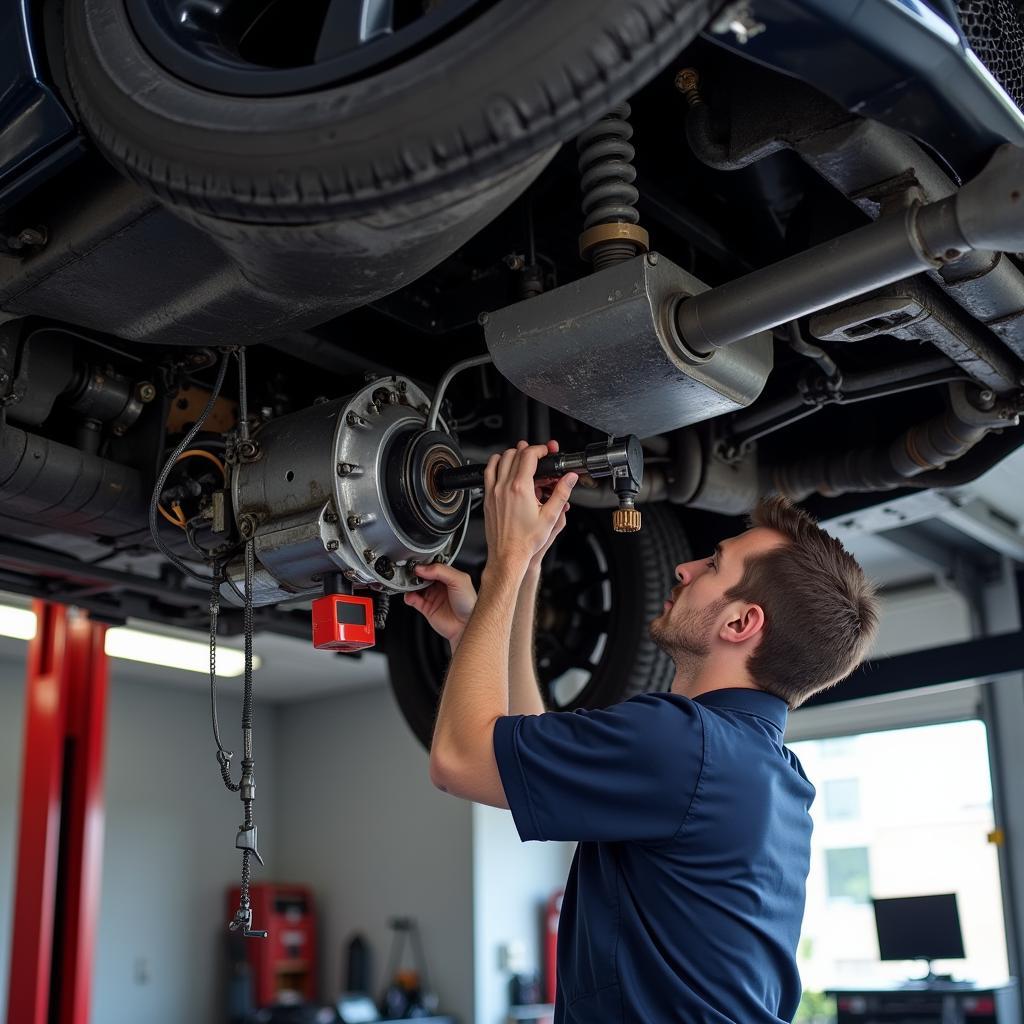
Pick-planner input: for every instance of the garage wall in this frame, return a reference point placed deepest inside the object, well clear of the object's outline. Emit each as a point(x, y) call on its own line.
point(12, 724)
point(361, 823)
point(512, 881)
point(169, 852)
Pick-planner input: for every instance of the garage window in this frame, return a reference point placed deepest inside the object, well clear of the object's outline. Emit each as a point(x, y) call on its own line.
point(901, 812)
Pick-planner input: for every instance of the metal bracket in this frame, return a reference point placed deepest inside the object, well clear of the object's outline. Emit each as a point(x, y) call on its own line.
point(246, 840)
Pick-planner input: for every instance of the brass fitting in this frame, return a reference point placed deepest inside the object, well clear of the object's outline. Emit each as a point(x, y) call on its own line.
point(626, 520)
point(619, 231)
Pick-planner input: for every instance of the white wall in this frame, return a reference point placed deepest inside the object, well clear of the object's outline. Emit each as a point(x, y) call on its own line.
point(362, 824)
point(12, 726)
point(511, 884)
point(169, 852)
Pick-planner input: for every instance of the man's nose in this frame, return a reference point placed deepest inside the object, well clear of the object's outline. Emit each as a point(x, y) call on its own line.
point(686, 571)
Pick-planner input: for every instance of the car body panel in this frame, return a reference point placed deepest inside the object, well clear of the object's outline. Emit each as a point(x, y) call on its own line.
point(897, 61)
point(37, 134)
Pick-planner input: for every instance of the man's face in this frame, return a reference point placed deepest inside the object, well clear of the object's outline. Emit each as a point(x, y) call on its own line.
point(697, 609)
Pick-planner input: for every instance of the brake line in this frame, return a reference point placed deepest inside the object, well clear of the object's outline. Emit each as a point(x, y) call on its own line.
point(246, 839)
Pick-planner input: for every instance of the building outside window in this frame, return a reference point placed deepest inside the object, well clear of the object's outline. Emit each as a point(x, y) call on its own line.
point(848, 875)
point(905, 812)
point(841, 799)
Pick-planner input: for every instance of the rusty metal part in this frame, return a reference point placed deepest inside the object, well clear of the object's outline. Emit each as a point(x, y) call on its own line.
point(688, 83)
point(188, 403)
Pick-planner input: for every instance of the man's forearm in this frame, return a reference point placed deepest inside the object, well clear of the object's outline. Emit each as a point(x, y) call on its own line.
point(476, 688)
point(524, 696)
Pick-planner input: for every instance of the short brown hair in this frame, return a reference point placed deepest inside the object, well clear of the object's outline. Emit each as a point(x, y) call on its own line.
point(821, 612)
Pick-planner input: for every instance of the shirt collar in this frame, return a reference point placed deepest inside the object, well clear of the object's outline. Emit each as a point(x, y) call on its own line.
point(749, 702)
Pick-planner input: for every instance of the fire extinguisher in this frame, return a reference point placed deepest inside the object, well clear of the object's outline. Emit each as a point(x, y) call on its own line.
point(552, 912)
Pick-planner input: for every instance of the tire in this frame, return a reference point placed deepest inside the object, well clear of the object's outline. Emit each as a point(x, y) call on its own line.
point(515, 80)
point(639, 573)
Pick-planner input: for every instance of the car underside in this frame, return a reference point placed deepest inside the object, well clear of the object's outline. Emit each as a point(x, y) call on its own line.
point(233, 373)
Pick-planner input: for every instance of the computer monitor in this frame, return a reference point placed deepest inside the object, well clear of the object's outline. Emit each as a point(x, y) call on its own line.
point(919, 928)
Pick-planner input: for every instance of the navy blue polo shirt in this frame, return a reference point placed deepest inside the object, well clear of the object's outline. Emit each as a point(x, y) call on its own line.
point(686, 893)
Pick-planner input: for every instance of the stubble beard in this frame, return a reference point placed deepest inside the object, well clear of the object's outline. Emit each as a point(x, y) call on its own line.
point(687, 638)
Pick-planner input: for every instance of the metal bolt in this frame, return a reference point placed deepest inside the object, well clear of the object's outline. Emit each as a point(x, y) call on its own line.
point(384, 567)
point(354, 520)
point(738, 19)
point(146, 391)
point(369, 555)
point(986, 395)
point(332, 545)
point(514, 261)
point(687, 82)
point(344, 468)
point(438, 559)
point(119, 429)
point(330, 516)
point(248, 451)
point(247, 524)
point(483, 319)
point(316, 578)
point(403, 386)
point(652, 259)
point(28, 238)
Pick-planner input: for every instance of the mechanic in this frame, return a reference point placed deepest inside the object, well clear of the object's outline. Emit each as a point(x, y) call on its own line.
point(686, 893)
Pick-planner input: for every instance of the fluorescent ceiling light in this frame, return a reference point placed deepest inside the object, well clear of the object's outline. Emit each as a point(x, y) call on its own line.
point(188, 655)
point(138, 645)
point(17, 622)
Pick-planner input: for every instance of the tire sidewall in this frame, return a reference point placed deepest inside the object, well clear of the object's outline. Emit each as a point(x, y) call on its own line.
point(490, 96)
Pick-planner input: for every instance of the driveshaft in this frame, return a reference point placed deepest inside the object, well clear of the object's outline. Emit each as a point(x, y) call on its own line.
point(987, 213)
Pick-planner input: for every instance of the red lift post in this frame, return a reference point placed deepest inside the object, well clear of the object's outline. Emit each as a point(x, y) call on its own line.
point(60, 839)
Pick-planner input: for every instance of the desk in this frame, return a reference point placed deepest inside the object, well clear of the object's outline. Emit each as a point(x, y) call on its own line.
point(940, 1002)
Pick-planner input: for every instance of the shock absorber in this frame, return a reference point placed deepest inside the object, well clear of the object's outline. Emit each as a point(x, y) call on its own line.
point(611, 229)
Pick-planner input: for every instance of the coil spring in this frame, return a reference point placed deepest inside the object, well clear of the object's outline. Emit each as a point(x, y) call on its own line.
point(606, 171)
point(606, 178)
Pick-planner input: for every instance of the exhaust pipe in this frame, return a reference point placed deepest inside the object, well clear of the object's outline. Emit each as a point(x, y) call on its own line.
point(987, 213)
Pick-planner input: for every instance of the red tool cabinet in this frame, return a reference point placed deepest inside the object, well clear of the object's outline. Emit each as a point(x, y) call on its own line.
point(285, 961)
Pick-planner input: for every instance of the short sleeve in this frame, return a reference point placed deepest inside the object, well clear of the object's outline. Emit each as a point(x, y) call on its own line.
point(628, 772)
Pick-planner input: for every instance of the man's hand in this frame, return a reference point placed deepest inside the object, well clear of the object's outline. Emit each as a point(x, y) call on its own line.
point(517, 524)
point(543, 489)
point(447, 603)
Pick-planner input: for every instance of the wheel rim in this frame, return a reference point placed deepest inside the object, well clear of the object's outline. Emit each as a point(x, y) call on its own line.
point(575, 617)
point(279, 47)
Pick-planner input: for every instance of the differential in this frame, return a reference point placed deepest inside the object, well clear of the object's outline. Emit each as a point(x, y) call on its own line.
point(344, 495)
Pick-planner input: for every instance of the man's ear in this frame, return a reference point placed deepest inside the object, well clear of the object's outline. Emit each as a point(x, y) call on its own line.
point(744, 622)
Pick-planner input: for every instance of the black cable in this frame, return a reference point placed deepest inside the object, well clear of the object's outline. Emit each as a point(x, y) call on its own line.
point(169, 465)
point(223, 755)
